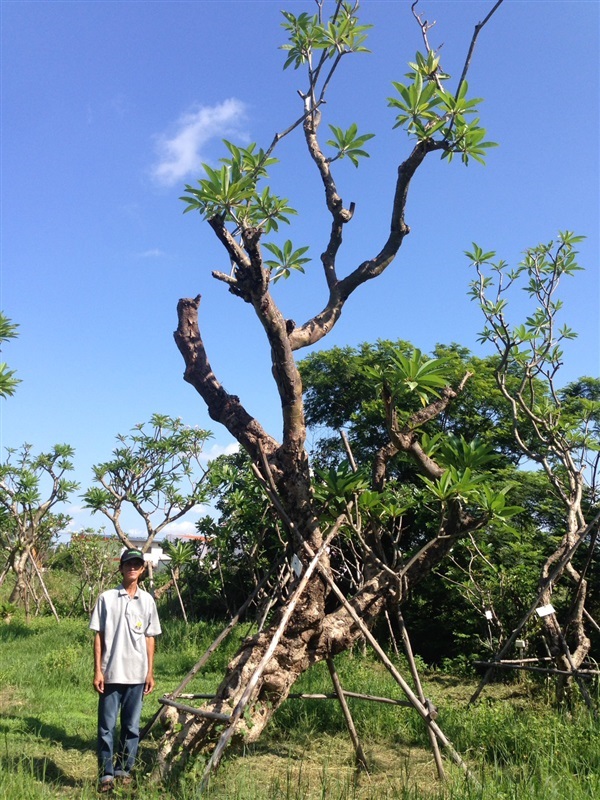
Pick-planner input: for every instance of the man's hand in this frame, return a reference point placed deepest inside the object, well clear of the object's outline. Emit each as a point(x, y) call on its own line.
point(149, 684)
point(99, 682)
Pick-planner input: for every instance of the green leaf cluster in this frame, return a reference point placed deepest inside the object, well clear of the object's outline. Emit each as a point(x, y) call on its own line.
point(8, 382)
point(534, 346)
point(232, 193)
point(348, 143)
point(429, 112)
point(414, 373)
point(308, 34)
point(286, 259)
point(155, 468)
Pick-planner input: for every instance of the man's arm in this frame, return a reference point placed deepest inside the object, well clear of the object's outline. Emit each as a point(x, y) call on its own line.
point(149, 684)
point(98, 674)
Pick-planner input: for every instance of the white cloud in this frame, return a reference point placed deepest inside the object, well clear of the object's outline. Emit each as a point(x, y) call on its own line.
point(154, 252)
point(220, 450)
point(181, 153)
point(180, 528)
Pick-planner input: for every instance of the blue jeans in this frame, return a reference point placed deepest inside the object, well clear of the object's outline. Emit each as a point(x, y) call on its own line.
point(127, 698)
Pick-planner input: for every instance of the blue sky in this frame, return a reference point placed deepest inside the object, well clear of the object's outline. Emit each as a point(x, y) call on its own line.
point(109, 107)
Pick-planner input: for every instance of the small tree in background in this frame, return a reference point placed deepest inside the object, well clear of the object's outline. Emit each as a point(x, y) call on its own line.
point(93, 559)
point(556, 429)
point(30, 487)
point(157, 470)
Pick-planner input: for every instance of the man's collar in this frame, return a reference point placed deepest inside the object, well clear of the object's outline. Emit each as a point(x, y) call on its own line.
point(122, 590)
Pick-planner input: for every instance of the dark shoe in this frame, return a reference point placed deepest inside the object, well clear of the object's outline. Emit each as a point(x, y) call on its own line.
point(106, 786)
point(125, 780)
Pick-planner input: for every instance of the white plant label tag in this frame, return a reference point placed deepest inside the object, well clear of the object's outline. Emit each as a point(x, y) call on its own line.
point(544, 611)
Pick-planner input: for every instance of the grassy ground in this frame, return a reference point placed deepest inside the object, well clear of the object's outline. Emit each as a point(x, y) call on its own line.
point(517, 746)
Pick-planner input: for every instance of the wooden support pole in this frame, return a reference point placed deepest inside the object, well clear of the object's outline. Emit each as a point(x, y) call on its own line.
point(423, 711)
point(319, 696)
point(531, 668)
point(419, 687)
point(197, 712)
point(179, 596)
point(361, 760)
point(41, 580)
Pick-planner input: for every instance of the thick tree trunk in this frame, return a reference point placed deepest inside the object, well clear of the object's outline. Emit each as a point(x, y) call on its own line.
point(569, 644)
point(311, 636)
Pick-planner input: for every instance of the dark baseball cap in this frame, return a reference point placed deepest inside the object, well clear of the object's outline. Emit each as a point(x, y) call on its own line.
point(131, 554)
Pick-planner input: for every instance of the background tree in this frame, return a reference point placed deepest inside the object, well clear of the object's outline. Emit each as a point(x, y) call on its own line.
point(496, 573)
point(556, 429)
point(157, 472)
point(93, 559)
point(30, 487)
point(241, 210)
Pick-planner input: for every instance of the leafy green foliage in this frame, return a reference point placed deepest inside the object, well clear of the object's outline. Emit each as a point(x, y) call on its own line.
point(8, 382)
point(159, 472)
point(308, 34)
point(93, 560)
point(532, 351)
point(348, 143)
point(286, 259)
point(30, 488)
point(232, 192)
point(429, 112)
point(537, 341)
point(415, 373)
point(240, 543)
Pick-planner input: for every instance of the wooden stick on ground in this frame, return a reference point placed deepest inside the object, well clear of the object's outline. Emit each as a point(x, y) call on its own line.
point(415, 675)
point(361, 760)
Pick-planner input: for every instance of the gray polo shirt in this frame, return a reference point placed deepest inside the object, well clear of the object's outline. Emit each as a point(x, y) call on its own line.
point(125, 623)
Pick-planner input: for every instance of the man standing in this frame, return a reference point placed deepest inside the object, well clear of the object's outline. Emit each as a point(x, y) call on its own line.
point(125, 621)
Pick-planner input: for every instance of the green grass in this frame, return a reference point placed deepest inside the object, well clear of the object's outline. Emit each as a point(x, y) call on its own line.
point(518, 746)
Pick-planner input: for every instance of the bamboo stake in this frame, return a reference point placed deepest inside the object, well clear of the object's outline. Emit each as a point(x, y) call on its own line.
point(421, 694)
point(41, 580)
point(531, 668)
point(575, 672)
point(415, 702)
point(592, 620)
point(254, 678)
point(179, 596)
point(308, 696)
point(361, 760)
point(198, 712)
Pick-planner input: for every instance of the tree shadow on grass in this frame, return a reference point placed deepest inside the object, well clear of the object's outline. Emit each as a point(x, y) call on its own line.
point(41, 730)
point(14, 631)
point(42, 769)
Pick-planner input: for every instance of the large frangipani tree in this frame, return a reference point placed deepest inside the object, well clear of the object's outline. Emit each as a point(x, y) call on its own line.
point(240, 207)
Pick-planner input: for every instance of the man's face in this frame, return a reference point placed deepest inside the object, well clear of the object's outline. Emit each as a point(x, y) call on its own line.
point(132, 568)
